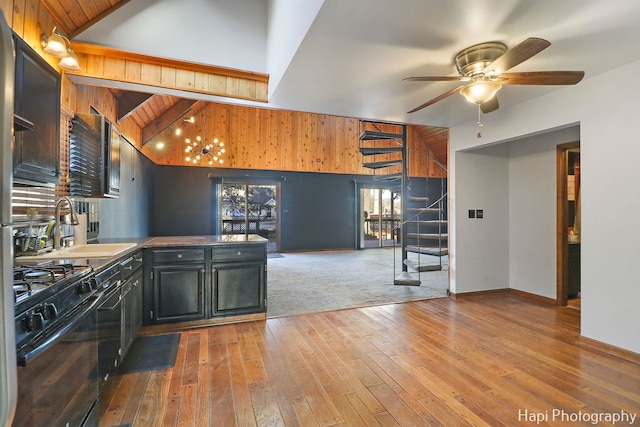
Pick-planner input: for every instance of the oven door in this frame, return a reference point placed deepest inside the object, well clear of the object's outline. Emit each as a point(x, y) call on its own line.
point(58, 384)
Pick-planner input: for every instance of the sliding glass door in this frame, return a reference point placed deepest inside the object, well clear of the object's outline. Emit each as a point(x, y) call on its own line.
point(381, 215)
point(249, 209)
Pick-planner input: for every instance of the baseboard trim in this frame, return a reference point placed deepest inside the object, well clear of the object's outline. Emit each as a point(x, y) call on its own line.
point(539, 298)
point(477, 293)
point(165, 328)
point(609, 349)
point(518, 292)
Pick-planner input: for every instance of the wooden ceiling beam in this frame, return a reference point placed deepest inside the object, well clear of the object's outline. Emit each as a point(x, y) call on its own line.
point(128, 102)
point(177, 111)
point(105, 63)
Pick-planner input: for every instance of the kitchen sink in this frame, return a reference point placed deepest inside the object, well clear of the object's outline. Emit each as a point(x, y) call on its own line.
point(98, 250)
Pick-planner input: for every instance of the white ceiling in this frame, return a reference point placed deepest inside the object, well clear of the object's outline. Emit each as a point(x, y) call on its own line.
point(350, 58)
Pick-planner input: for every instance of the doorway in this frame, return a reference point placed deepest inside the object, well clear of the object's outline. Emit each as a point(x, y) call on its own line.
point(250, 208)
point(380, 219)
point(569, 225)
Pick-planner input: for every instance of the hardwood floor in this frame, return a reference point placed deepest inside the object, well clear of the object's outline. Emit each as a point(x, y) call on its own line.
point(494, 360)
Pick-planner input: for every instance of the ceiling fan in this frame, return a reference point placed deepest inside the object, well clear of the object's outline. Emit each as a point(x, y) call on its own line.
point(484, 65)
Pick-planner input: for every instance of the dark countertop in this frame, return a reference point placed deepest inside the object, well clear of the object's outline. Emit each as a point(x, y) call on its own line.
point(99, 264)
point(212, 240)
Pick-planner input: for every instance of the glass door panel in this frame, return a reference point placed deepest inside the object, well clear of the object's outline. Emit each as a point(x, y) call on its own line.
point(250, 209)
point(382, 213)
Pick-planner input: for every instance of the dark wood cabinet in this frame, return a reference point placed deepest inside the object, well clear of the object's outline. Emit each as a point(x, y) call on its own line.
point(178, 285)
point(238, 275)
point(37, 118)
point(195, 283)
point(238, 288)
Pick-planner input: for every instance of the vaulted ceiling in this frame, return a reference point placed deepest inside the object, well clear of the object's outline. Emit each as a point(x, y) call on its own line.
point(338, 57)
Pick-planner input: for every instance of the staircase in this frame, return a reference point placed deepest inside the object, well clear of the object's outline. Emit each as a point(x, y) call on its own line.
point(423, 226)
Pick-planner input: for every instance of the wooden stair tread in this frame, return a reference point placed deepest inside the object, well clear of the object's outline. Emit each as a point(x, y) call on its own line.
point(406, 279)
point(418, 199)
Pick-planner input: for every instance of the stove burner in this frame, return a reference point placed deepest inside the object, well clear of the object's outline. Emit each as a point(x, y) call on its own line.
point(29, 280)
point(22, 289)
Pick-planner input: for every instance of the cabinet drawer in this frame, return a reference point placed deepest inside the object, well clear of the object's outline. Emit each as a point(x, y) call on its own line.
point(238, 253)
point(173, 255)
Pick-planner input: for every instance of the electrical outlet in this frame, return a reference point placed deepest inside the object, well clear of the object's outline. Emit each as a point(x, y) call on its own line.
point(479, 213)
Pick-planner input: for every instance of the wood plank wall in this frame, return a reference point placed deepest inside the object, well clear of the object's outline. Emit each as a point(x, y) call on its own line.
point(255, 138)
point(260, 138)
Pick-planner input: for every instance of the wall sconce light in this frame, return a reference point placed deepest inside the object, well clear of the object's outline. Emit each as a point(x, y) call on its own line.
point(60, 47)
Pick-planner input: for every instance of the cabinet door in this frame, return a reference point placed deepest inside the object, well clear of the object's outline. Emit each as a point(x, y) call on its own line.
point(238, 288)
point(178, 292)
point(37, 99)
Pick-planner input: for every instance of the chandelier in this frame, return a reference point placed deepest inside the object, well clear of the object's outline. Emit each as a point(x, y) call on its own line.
point(197, 150)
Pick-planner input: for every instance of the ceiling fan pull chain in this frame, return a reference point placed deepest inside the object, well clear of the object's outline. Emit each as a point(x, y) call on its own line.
point(478, 133)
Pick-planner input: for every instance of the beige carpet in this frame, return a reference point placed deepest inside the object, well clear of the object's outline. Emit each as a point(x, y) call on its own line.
point(308, 282)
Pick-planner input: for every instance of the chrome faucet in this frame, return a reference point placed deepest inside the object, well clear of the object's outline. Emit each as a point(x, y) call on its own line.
point(56, 229)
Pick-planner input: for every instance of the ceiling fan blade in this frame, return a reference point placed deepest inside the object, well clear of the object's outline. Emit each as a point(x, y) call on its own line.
point(436, 99)
point(435, 79)
point(490, 105)
point(542, 78)
point(517, 55)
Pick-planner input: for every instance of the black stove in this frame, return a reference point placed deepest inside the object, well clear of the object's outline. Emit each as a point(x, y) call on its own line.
point(29, 280)
point(57, 344)
point(46, 296)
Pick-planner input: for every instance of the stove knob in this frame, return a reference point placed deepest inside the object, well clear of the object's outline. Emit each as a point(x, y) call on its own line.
point(49, 311)
point(34, 322)
point(83, 288)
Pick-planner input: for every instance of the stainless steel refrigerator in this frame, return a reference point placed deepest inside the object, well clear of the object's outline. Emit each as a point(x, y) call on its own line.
point(8, 365)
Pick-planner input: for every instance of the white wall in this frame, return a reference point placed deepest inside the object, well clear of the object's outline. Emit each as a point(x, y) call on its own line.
point(605, 106)
point(532, 195)
point(288, 23)
point(229, 33)
point(482, 245)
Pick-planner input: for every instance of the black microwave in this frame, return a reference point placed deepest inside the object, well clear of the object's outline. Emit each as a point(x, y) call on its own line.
point(94, 157)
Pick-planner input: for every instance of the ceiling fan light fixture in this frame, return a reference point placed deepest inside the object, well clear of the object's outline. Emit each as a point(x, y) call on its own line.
point(480, 91)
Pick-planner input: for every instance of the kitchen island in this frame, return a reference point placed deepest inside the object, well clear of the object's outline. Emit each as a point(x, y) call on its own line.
point(188, 281)
point(204, 280)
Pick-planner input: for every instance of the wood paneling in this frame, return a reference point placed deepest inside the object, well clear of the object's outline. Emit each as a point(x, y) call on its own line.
point(481, 361)
point(260, 138)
